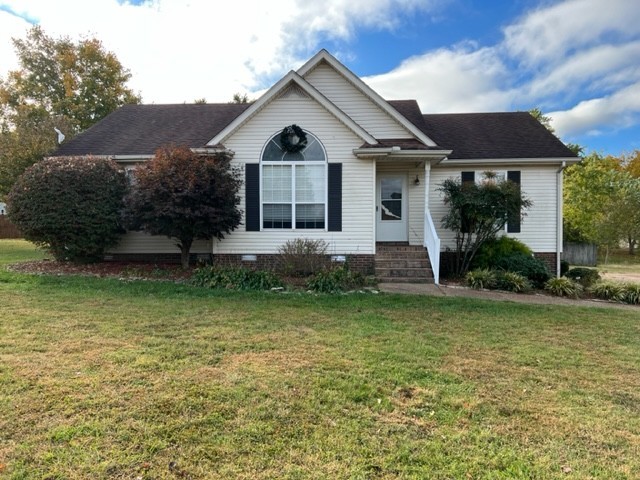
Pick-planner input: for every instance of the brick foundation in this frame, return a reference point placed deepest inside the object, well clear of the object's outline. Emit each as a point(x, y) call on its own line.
point(364, 264)
point(550, 258)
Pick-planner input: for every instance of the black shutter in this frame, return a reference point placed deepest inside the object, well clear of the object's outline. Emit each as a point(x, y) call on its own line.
point(467, 178)
point(334, 208)
point(252, 197)
point(513, 224)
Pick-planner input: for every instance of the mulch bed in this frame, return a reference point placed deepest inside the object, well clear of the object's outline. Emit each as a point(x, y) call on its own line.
point(125, 270)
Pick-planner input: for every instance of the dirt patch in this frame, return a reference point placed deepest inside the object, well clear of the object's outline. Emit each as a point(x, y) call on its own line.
point(622, 277)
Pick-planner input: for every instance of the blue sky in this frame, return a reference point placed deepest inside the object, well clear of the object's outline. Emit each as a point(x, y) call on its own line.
point(577, 60)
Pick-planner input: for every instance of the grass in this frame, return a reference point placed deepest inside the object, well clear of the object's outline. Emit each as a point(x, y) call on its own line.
point(619, 262)
point(102, 378)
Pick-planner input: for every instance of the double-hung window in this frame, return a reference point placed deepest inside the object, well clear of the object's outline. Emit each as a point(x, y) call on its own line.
point(294, 186)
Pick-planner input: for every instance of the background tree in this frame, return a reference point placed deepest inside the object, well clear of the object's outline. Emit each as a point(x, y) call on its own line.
point(240, 98)
point(602, 201)
point(185, 196)
point(70, 206)
point(60, 83)
point(478, 211)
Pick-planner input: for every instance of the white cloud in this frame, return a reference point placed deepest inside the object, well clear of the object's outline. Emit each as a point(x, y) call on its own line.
point(181, 51)
point(460, 80)
point(619, 110)
point(550, 33)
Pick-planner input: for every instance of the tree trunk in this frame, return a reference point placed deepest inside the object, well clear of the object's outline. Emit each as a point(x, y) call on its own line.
point(632, 246)
point(185, 250)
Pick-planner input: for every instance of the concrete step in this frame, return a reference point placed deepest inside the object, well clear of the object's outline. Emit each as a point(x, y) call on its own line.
point(404, 280)
point(404, 272)
point(403, 263)
point(401, 255)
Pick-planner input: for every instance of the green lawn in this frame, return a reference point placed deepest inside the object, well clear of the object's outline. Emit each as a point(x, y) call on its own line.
point(101, 378)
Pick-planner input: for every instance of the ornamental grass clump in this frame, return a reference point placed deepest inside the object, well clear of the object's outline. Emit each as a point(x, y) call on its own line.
point(513, 282)
point(613, 291)
point(481, 278)
point(632, 293)
point(563, 287)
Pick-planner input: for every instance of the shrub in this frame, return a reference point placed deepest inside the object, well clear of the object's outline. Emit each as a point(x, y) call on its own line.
point(234, 278)
point(481, 278)
point(608, 291)
point(512, 282)
point(563, 287)
point(302, 257)
point(70, 206)
point(496, 248)
point(584, 276)
point(564, 267)
point(533, 269)
point(338, 280)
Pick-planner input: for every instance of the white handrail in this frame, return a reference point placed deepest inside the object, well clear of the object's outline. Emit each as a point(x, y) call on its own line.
point(432, 244)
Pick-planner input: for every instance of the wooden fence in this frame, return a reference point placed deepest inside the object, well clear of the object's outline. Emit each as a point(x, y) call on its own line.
point(8, 229)
point(585, 254)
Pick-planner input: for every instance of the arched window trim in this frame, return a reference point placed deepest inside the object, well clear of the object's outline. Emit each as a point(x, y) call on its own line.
point(292, 210)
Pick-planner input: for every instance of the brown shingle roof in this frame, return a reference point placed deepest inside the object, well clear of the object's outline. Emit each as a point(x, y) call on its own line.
point(142, 129)
point(493, 135)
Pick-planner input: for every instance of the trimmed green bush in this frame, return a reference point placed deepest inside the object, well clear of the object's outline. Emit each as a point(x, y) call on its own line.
point(584, 276)
point(563, 287)
point(337, 280)
point(302, 257)
point(512, 282)
point(70, 206)
point(234, 278)
point(494, 249)
point(481, 278)
point(535, 270)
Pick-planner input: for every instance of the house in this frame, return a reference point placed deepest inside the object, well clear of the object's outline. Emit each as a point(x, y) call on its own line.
point(366, 180)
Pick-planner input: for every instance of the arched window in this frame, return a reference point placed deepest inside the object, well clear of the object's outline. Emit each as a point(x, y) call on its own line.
point(294, 185)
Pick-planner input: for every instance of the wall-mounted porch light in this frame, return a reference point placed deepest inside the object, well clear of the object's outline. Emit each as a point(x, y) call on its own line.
point(416, 182)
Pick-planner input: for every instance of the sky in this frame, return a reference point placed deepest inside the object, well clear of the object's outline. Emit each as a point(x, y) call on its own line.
point(576, 60)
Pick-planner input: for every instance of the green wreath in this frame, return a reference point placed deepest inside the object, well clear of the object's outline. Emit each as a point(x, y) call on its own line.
point(293, 139)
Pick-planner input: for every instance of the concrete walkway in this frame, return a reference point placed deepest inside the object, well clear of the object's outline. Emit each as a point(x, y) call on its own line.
point(530, 298)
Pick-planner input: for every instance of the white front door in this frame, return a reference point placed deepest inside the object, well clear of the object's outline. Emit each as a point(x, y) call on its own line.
point(391, 209)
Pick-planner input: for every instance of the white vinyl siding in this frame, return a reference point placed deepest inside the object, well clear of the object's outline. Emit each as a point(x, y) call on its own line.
point(354, 103)
point(539, 226)
point(139, 242)
point(358, 191)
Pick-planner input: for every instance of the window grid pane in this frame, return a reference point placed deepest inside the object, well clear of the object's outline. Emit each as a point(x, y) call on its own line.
point(276, 216)
point(310, 215)
point(276, 183)
point(310, 183)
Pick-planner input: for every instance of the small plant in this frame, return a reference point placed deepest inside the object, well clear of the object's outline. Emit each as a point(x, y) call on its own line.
point(609, 291)
point(492, 250)
point(564, 267)
point(481, 278)
point(563, 287)
point(302, 257)
point(533, 268)
point(584, 276)
point(513, 282)
point(632, 293)
point(338, 280)
point(234, 278)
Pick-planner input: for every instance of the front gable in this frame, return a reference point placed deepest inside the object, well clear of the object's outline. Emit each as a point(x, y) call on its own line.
point(349, 93)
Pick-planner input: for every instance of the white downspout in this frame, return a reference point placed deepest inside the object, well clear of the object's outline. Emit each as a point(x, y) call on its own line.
point(559, 208)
